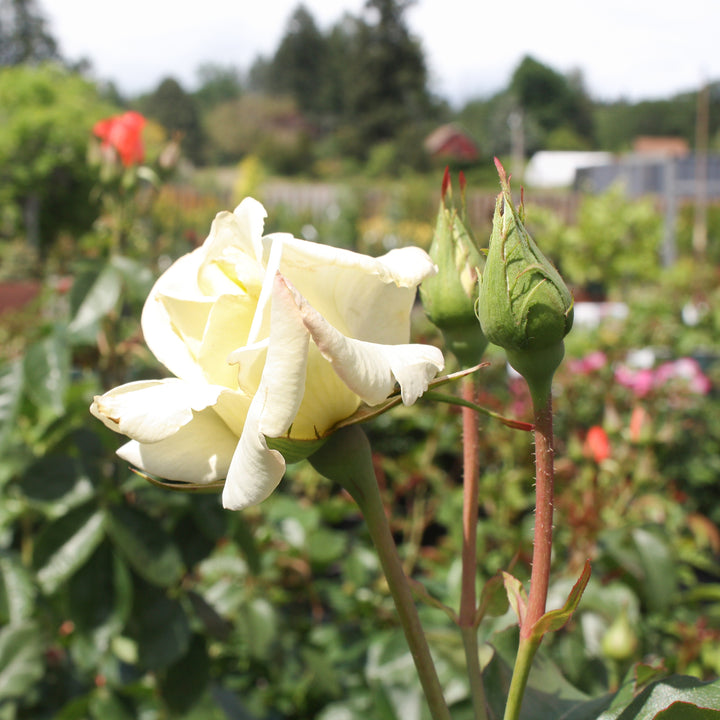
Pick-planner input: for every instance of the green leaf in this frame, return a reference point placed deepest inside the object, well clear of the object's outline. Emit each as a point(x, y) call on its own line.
point(493, 601)
point(21, 659)
point(148, 549)
point(17, 592)
point(55, 484)
point(556, 619)
point(137, 277)
point(160, 628)
point(644, 553)
point(100, 298)
point(105, 705)
point(100, 594)
point(516, 595)
point(11, 387)
point(672, 695)
point(185, 681)
point(47, 372)
point(65, 545)
point(686, 711)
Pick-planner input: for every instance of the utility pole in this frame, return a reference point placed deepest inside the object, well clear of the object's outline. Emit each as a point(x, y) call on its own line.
point(702, 122)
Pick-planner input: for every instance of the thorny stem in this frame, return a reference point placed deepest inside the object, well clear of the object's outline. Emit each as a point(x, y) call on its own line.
point(544, 489)
point(542, 551)
point(468, 596)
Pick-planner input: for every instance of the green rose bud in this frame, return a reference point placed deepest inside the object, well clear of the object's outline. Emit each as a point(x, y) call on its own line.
point(525, 306)
point(449, 297)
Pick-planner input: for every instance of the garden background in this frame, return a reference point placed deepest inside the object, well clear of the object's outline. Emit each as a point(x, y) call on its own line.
point(121, 600)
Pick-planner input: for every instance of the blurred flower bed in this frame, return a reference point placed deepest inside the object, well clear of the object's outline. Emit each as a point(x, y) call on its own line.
point(119, 600)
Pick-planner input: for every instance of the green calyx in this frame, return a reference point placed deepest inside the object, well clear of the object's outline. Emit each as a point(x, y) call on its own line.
point(449, 296)
point(525, 306)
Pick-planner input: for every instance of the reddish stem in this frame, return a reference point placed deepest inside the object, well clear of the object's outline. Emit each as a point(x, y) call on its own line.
point(542, 544)
point(471, 473)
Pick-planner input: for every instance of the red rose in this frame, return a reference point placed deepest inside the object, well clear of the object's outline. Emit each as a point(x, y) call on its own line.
point(124, 134)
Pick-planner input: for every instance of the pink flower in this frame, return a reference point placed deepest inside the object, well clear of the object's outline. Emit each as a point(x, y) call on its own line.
point(687, 369)
point(590, 363)
point(123, 133)
point(640, 381)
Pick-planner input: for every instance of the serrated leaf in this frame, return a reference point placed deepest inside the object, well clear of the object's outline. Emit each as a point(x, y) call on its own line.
point(65, 545)
point(148, 549)
point(21, 659)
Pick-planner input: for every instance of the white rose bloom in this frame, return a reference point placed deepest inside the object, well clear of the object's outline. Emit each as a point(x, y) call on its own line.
point(268, 337)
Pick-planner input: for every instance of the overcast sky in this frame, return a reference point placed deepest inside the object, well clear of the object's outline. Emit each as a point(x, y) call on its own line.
point(633, 49)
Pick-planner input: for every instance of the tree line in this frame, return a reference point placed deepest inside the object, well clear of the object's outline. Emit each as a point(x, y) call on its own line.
point(357, 96)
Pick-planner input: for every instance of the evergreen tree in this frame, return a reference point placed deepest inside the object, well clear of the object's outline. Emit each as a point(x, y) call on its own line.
point(552, 102)
point(298, 68)
point(386, 77)
point(24, 37)
point(217, 84)
point(177, 111)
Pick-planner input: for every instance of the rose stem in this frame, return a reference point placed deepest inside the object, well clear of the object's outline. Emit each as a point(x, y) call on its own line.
point(542, 552)
point(347, 458)
point(468, 594)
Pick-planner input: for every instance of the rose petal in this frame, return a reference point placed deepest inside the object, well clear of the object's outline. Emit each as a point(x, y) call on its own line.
point(151, 410)
point(369, 369)
point(283, 377)
point(255, 470)
point(199, 452)
point(241, 229)
point(227, 328)
point(174, 316)
point(363, 297)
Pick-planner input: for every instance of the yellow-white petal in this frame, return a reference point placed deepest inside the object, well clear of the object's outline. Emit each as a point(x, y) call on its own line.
point(370, 369)
point(199, 452)
point(363, 297)
point(256, 470)
point(174, 316)
point(151, 410)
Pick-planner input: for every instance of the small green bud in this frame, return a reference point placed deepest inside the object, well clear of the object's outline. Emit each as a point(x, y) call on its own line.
point(620, 640)
point(449, 297)
point(525, 306)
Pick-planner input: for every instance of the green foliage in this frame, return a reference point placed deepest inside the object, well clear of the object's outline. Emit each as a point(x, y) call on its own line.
point(122, 600)
point(46, 117)
point(615, 241)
